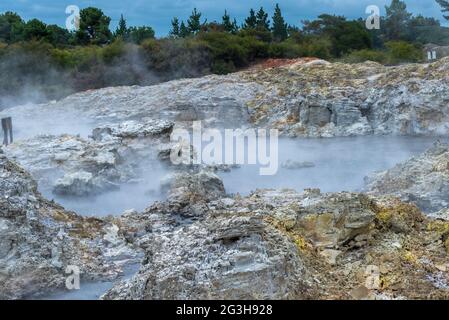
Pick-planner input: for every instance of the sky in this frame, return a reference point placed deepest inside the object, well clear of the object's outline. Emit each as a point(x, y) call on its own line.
point(158, 13)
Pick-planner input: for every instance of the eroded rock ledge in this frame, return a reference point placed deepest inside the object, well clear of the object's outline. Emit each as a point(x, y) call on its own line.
point(39, 239)
point(423, 180)
point(306, 99)
point(289, 245)
point(203, 244)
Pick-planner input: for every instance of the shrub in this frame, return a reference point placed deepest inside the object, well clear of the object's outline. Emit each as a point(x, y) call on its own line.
point(286, 49)
point(366, 55)
point(401, 51)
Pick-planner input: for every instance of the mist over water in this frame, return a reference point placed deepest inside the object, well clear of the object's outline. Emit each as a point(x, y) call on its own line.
point(136, 195)
point(340, 163)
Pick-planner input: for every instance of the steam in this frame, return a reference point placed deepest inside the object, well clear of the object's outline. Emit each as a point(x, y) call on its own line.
point(29, 73)
point(340, 164)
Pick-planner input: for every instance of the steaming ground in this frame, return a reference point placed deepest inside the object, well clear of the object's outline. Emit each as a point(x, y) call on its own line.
point(136, 195)
point(340, 164)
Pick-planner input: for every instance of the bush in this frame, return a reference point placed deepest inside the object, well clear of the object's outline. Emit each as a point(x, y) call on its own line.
point(319, 47)
point(176, 58)
point(226, 48)
point(112, 51)
point(255, 49)
point(366, 55)
point(286, 49)
point(401, 51)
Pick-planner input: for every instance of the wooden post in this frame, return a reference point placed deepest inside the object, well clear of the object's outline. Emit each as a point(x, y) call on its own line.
point(7, 130)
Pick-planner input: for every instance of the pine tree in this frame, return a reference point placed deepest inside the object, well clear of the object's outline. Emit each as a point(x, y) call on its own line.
point(397, 20)
point(229, 26)
point(251, 21)
point(444, 7)
point(174, 27)
point(280, 32)
point(183, 30)
point(194, 23)
point(122, 29)
point(262, 20)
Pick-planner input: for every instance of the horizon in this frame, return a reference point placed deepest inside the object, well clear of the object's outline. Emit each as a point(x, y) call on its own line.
point(158, 14)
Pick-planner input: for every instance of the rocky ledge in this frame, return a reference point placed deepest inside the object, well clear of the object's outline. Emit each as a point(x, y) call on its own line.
point(289, 245)
point(423, 180)
point(204, 244)
point(307, 98)
point(39, 240)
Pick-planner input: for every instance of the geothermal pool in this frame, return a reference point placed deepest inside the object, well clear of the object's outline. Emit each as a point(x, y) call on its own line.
point(340, 164)
point(91, 290)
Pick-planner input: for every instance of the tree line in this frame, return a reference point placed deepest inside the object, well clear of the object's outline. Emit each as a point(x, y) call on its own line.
point(32, 52)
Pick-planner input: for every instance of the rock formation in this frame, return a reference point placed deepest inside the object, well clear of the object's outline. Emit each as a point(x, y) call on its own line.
point(423, 180)
point(201, 243)
point(39, 240)
point(289, 245)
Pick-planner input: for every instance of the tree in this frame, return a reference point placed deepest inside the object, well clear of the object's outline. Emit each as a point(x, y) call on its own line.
point(35, 30)
point(344, 35)
point(397, 21)
point(57, 35)
point(262, 20)
point(122, 30)
point(94, 26)
point(174, 27)
point(444, 7)
point(139, 34)
point(251, 21)
point(229, 26)
point(184, 32)
point(280, 32)
point(11, 27)
point(194, 22)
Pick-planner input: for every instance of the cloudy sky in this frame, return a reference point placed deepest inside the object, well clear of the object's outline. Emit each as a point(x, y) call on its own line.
point(158, 13)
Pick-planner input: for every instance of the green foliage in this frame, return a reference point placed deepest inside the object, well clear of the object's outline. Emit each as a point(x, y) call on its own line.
point(316, 46)
point(58, 36)
point(279, 26)
point(262, 20)
point(229, 26)
point(259, 34)
point(174, 58)
point(194, 22)
point(251, 21)
point(225, 49)
point(401, 51)
point(396, 52)
point(366, 55)
point(444, 7)
point(35, 30)
point(30, 65)
point(57, 61)
point(397, 21)
point(138, 34)
point(344, 35)
point(94, 27)
point(286, 50)
point(122, 29)
point(183, 30)
point(11, 27)
point(112, 51)
point(174, 27)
